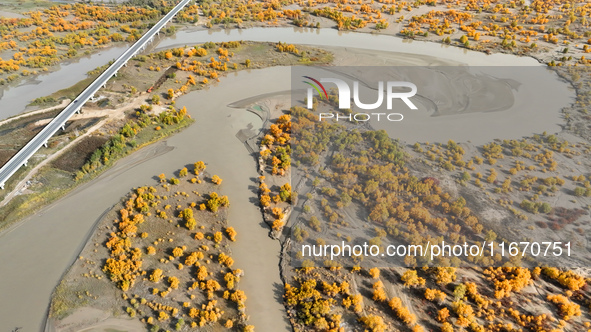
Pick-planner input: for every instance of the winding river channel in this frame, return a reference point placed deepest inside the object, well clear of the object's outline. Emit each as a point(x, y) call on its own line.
point(36, 252)
point(14, 99)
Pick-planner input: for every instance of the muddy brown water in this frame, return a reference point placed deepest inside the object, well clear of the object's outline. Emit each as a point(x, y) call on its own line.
point(14, 99)
point(36, 252)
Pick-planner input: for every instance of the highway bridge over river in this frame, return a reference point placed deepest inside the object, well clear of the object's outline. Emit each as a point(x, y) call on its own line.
point(22, 157)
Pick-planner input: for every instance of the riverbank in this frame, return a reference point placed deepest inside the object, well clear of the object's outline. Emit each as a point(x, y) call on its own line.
point(62, 104)
point(225, 151)
point(47, 179)
point(255, 252)
point(47, 38)
point(182, 259)
point(137, 109)
point(516, 28)
point(260, 247)
point(257, 62)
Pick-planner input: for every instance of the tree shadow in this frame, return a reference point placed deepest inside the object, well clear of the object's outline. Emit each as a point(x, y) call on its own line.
point(278, 291)
point(254, 200)
point(253, 189)
point(264, 225)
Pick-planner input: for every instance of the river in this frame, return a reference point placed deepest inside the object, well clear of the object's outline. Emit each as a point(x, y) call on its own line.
point(366, 41)
point(35, 254)
point(15, 99)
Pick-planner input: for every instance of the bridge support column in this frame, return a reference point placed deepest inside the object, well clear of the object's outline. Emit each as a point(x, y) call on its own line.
point(13, 162)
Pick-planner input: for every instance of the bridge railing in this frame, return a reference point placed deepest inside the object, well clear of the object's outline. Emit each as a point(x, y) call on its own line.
point(25, 153)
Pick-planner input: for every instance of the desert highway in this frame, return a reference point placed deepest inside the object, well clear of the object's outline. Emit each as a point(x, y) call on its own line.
point(23, 155)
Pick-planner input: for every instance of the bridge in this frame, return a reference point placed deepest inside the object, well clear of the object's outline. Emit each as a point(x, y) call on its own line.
point(22, 157)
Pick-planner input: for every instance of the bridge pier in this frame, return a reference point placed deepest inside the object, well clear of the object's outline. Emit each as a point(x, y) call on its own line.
point(8, 169)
